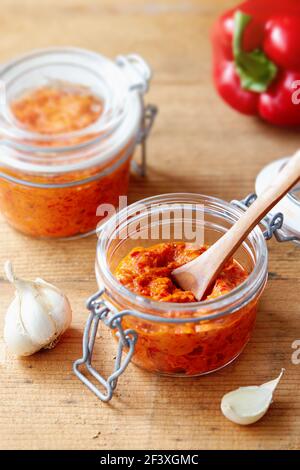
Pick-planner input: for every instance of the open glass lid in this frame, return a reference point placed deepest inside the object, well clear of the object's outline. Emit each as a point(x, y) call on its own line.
point(289, 206)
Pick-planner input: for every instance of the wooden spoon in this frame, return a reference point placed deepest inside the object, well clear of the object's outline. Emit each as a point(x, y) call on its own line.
point(198, 275)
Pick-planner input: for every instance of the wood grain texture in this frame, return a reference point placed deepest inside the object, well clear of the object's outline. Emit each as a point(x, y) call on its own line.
point(198, 145)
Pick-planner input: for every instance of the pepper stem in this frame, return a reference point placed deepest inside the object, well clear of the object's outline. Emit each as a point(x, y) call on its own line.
point(241, 20)
point(255, 70)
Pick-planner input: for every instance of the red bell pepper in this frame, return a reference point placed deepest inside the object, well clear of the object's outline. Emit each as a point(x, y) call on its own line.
point(256, 48)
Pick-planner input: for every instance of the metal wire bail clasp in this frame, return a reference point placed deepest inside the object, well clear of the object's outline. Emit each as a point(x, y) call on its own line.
point(149, 115)
point(100, 311)
point(139, 74)
point(273, 224)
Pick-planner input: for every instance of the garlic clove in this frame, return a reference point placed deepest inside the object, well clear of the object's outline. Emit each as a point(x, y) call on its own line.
point(15, 336)
point(37, 317)
point(273, 383)
point(247, 405)
point(56, 302)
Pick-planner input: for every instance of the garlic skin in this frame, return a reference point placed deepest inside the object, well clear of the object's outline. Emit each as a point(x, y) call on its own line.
point(247, 405)
point(36, 318)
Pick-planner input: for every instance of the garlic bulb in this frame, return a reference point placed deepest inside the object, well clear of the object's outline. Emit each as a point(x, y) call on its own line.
point(37, 316)
point(246, 405)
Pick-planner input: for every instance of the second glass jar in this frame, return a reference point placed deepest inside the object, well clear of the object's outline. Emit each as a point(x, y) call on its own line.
point(52, 184)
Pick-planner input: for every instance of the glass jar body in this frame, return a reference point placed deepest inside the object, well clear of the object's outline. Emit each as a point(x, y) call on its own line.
point(187, 339)
point(192, 349)
point(66, 207)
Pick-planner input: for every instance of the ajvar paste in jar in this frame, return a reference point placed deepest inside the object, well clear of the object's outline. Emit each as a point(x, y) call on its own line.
point(57, 109)
point(187, 348)
point(62, 211)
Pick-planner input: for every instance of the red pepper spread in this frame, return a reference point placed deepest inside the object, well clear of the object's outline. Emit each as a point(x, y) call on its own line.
point(57, 109)
point(183, 348)
point(147, 271)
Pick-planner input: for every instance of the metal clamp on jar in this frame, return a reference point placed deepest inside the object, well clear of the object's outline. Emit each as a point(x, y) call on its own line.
point(180, 339)
point(52, 180)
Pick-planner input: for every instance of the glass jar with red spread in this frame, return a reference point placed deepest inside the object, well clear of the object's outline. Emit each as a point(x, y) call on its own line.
point(160, 328)
point(70, 120)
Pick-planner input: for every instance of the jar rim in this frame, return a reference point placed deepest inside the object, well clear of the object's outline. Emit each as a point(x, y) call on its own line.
point(228, 303)
point(116, 126)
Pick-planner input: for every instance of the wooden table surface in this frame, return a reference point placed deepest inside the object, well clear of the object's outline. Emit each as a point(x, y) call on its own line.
point(198, 145)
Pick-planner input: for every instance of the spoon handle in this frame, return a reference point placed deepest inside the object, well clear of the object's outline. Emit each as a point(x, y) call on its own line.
point(227, 245)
